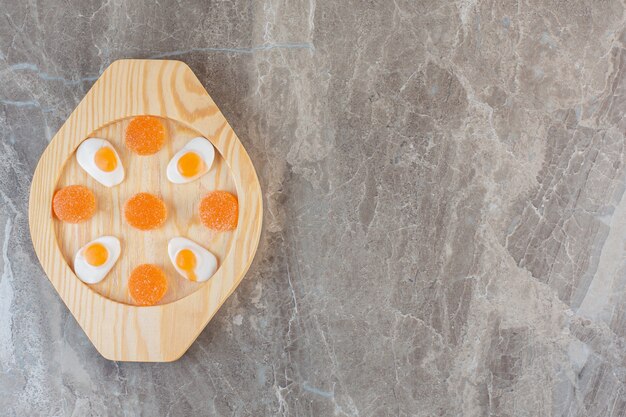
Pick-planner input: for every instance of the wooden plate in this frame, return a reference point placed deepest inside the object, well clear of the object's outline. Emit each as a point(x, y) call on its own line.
point(116, 327)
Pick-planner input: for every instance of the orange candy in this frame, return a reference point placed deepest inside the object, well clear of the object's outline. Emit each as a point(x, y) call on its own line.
point(219, 211)
point(145, 211)
point(145, 135)
point(147, 284)
point(74, 204)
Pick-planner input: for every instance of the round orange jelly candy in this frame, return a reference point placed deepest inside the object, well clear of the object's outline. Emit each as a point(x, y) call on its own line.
point(147, 284)
point(219, 211)
point(145, 135)
point(74, 204)
point(145, 211)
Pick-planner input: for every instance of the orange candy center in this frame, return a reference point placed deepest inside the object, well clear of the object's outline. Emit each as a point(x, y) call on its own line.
point(145, 135)
point(96, 254)
point(105, 159)
point(74, 204)
point(186, 261)
point(219, 211)
point(190, 164)
point(147, 284)
point(145, 211)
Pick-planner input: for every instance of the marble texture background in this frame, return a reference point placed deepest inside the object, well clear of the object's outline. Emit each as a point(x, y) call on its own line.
point(445, 216)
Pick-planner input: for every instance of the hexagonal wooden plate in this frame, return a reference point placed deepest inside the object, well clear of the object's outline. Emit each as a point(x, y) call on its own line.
point(119, 330)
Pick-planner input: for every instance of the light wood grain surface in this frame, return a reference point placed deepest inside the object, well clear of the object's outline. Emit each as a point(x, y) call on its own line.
point(119, 330)
point(145, 174)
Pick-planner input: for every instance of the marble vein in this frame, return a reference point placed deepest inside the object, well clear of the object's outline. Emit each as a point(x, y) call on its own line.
point(251, 50)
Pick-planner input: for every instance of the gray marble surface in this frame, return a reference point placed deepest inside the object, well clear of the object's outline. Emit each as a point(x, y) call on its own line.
point(445, 220)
